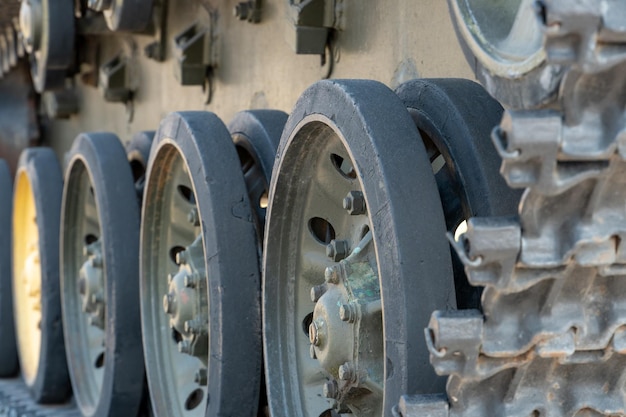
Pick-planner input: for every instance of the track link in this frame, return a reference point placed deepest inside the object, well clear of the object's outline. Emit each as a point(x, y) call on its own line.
point(16, 401)
point(551, 338)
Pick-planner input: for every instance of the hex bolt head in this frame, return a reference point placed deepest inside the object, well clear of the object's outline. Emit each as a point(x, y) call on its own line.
point(184, 346)
point(168, 303)
point(200, 377)
point(181, 257)
point(96, 261)
point(331, 389)
point(346, 371)
point(189, 327)
point(331, 274)
point(348, 312)
point(191, 280)
point(314, 336)
point(354, 203)
point(337, 249)
point(317, 291)
point(96, 298)
point(193, 217)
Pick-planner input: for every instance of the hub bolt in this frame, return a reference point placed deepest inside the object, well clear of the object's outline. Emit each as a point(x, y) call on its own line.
point(331, 274)
point(346, 372)
point(191, 280)
point(331, 389)
point(348, 312)
point(317, 291)
point(200, 377)
point(354, 203)
point(194, 326)
point(96, 261)
point(96, 298)
point(168, 303)
point(314, 333)
point(337, 250)
point(181, 257)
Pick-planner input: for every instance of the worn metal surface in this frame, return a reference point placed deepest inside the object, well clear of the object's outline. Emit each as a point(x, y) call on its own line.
point(550, 340)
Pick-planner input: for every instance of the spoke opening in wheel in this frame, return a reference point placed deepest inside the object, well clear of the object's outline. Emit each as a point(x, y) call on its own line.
point(187, 193)
point(343, 166)
point(322, 230)
point(194, 399)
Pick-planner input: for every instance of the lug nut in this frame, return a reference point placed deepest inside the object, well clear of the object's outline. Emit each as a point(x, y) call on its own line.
point(181, 257)
point(193, 326)
point(348, 312)
point(312, 351)
point(331, 274)
point(168, 303)
point(96, 261)
point(200, 377)
point(337, 250)
point(191, 280)
point(346, 372)
point(331, 389)
point(354, 203)
point(314, 336)
point(317, 291)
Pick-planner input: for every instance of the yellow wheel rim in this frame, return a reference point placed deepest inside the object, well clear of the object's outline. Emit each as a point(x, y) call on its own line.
point(26, 277)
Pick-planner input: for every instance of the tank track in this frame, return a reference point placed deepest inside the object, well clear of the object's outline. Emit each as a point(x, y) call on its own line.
point(551, 337)
point(16, 401)
point(10, 45)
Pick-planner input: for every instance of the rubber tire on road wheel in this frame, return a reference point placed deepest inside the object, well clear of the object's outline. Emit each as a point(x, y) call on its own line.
point(9, 362)
point(407, 224)
point(41, 167)
point(103, 158)
point(457, 116)
point(228, 235)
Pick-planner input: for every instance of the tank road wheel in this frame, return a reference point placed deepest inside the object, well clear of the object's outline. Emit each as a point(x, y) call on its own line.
point(256, 134)
point(355, 256)
point(200, 283)
point(9, 364)
point(99, 277)
point(36, 298)
point(503, 45)
point(455, 118)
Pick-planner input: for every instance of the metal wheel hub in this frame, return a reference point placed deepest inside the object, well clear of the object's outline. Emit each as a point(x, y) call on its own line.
point(91, 285)
point(186, 301)
point(346, 331)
